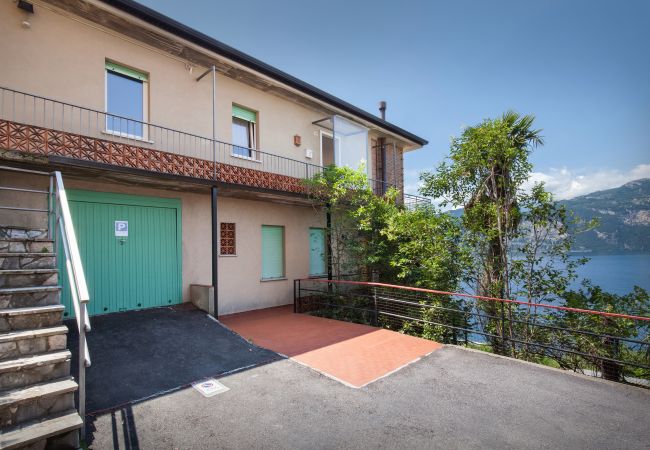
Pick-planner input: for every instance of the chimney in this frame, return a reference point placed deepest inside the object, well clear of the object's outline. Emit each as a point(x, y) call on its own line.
point(382, 109)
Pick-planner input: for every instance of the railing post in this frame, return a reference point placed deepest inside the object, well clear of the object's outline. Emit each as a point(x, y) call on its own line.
point(82, 369)
point(50, 209)
point(502, 350)
point(374, 296)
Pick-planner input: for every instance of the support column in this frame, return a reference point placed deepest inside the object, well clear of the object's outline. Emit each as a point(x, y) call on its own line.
point(215, 250)
point(329, 243)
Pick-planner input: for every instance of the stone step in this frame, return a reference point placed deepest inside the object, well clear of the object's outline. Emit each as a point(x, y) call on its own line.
point(14, 319)
point(29, 296)
point(17, 344)
point(11, 232)
point(10, 260)
point(39, 400)
point(21, 372)
point(26, 245)
point(28, 277)
point(58, 432)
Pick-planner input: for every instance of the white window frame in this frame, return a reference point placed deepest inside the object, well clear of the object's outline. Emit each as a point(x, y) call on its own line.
point(252, 138)
point(145, 109)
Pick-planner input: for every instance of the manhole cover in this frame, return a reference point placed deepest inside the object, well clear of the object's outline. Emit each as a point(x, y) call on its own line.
point(209, 387)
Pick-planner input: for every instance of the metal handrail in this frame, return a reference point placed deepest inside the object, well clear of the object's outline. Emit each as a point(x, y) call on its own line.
point(59, 218)
point(45, 112)
point(77, 279)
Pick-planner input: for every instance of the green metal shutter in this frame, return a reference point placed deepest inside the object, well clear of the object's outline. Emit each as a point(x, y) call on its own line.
point(131, 73)
point(272, 252)
point(142, 270)
point(244, 114)
point(317, 259)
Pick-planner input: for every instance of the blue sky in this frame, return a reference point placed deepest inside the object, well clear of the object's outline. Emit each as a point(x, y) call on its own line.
point(582, 67)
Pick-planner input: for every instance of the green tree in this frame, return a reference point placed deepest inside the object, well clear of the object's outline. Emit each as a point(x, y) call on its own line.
point(485, 175)
point(601, 340)
point(381, 239)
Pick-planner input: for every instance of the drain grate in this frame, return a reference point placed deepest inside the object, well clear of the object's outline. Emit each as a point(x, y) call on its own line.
point(209, 387)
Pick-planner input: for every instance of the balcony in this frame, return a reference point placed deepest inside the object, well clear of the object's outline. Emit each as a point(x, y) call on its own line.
point(45, 127)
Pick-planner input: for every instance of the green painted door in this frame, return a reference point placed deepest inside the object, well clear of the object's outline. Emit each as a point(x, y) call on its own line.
point(139, 270)
point(317, 253)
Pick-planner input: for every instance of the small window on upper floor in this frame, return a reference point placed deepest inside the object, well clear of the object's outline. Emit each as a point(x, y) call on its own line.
point(244, 133)
point(126, 101)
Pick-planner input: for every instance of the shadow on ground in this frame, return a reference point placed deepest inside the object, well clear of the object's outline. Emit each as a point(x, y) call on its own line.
point(140, 354)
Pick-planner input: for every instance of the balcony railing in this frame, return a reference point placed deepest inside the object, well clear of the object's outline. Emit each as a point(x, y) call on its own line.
point(41, 125)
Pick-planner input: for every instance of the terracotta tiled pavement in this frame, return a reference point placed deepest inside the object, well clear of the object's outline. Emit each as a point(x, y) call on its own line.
point(354, 354)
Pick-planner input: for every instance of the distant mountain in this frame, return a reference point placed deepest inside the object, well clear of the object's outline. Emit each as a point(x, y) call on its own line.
point(624, 215)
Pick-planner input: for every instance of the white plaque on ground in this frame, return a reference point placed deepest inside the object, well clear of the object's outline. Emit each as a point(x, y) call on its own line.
point(209, 387)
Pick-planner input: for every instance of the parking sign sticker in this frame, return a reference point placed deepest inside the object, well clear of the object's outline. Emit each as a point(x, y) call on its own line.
point(121, 228)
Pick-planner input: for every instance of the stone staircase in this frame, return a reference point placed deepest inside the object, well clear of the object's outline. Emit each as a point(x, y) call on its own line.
point(37, 406)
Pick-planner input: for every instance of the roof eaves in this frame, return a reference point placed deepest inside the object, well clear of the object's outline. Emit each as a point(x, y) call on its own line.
point(172, 26)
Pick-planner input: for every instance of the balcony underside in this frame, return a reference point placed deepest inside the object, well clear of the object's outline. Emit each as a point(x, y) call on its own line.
point(115, 161)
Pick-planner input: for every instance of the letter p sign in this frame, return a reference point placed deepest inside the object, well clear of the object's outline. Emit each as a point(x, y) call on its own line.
point(121, 228)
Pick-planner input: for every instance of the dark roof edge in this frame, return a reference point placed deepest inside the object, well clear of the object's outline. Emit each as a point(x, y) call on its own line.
point(172, 26)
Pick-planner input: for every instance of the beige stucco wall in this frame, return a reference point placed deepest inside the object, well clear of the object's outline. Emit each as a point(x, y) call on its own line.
point(64, 59)
point(240, 287)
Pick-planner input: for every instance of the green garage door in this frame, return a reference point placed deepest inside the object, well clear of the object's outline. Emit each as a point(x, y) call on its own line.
point(130, 249)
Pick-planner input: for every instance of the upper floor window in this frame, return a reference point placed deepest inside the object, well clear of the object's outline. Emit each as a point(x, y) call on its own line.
point(244, 135)
point(126, 101)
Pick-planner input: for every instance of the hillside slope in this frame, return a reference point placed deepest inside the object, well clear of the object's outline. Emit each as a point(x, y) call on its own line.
point(624, 215)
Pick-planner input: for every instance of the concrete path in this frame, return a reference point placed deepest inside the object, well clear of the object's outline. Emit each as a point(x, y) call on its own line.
point(351, 353)
point(453, 398)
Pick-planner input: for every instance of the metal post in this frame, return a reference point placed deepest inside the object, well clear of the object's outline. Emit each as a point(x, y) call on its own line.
point(503, 332)
point(213, 69)
point(215, 249)
point(296, 295)
point(374, 296)
point(328, 218)
point(50, 209)
point(82, 368)
point(214, 126)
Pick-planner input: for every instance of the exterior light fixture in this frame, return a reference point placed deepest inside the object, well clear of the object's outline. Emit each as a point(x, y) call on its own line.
point(297, 140)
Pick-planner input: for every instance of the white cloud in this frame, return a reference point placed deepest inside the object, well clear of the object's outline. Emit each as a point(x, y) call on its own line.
point(566, 183)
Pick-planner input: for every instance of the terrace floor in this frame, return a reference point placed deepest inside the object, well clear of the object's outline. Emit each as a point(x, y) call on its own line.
point(353, 354)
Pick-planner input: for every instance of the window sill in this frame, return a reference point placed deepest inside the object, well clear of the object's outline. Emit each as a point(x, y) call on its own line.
point(127, 136)
point(247, 158)
point(264, 280)
point(227, 256)
point(323, 275)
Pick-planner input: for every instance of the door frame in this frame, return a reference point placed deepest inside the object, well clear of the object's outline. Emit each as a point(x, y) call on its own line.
point(320, 141)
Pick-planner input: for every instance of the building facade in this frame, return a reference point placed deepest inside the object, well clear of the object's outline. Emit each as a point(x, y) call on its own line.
point(182, 157)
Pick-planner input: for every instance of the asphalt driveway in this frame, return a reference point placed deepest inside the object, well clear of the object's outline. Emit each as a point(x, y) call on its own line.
point(453, 398)
point(139, 354)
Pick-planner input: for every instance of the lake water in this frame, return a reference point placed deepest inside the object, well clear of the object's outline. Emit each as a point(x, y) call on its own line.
point(617, 274)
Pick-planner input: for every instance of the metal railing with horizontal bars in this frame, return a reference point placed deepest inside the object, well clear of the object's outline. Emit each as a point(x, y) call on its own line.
point(98, 128)
point(60, 227)
point(611, 345)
